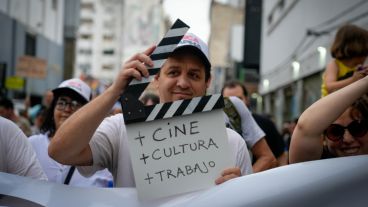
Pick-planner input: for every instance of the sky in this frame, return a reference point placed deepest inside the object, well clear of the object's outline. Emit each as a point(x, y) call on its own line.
point(194, 13)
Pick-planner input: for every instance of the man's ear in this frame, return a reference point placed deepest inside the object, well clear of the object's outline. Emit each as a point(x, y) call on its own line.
point(208, 82)
point(157, 76)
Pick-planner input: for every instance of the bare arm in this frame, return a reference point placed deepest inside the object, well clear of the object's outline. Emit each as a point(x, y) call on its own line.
point(332, 84)
point(306, 143)
point(264, 156)
point(70, 144)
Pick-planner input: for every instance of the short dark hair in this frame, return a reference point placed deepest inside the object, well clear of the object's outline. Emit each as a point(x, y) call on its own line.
point(233, 84)
point(6, 103)
point(361, 106)
point(350, 41)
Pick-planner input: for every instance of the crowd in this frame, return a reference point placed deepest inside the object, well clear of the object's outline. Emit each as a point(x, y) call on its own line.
point(80, 141)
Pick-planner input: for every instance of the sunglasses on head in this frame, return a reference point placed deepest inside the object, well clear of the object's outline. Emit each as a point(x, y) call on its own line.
point(335, 132)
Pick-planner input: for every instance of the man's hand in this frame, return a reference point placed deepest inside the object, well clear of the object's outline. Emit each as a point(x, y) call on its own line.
point(135, 67)
point(228, 174)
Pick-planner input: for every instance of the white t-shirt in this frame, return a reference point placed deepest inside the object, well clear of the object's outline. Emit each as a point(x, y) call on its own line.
point(16, 154)
point(109, 147)
point(251, 132)
point(57, 172)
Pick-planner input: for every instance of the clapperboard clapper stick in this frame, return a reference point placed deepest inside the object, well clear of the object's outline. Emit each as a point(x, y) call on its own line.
point(175, 147)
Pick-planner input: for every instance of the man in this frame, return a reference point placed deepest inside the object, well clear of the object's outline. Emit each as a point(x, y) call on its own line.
point(16, 154)
point(272, 143)
point(7, 111)
point(186, 74)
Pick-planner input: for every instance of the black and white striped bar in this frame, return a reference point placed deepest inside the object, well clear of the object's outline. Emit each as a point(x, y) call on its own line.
point(180, 108)
point(163, 50)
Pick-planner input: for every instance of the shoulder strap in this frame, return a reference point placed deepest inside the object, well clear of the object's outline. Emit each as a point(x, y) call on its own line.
point(69, 176)
point(232, 113)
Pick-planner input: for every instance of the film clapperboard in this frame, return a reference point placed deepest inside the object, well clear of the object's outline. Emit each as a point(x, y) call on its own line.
point(178, 146)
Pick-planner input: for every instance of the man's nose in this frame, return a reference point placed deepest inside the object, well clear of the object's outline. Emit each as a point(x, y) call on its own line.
point(183, 81)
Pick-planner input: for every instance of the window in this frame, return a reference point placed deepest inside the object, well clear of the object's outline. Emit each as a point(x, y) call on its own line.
point(108, 37)
point(86, 21)
point(85, 51)
point(108, 67)
point(86, 36)
point(88, 5)
point(30, 45)
point(108, 52)
point(85, 67)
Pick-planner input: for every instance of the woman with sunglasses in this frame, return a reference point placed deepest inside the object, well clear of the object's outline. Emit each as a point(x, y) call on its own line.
point(71, 95)
point(334, 126)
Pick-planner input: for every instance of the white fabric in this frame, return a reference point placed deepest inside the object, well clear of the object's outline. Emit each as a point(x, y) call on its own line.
point(315, 183)
point(251, 132)
point(16, 154)
point(57, 172)
point(109, 147)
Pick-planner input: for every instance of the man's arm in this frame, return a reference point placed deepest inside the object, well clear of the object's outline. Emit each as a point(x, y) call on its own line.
point(263, 155)
point(70, 144)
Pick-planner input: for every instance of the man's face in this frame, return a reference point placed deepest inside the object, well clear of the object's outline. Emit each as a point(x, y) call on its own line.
point(235, 91)
point(182, 77)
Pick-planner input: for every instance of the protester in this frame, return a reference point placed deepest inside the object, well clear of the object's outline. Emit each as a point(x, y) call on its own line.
point(268, 146)
point(71, 95)
point(349, 51)
point(16, 154)
point(39, 120)
point(334, 126)
point(290, 130)
point(35, 110)
point(185, 74)
point(7, 111)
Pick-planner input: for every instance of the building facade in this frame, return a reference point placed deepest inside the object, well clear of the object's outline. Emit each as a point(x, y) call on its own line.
point(296, 40)
point(225, 42)
point(31, 45)
point(99, 40)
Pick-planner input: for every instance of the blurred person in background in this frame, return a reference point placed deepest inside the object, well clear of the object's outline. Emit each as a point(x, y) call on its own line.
point(69, 96)
point(16, 154)
point(38, 120)
point(240, 119)
point(7, 111)
point(272, 141)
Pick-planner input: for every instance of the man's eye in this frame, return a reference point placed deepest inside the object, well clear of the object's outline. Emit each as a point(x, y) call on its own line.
point(195, 76)
point(173, 72)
